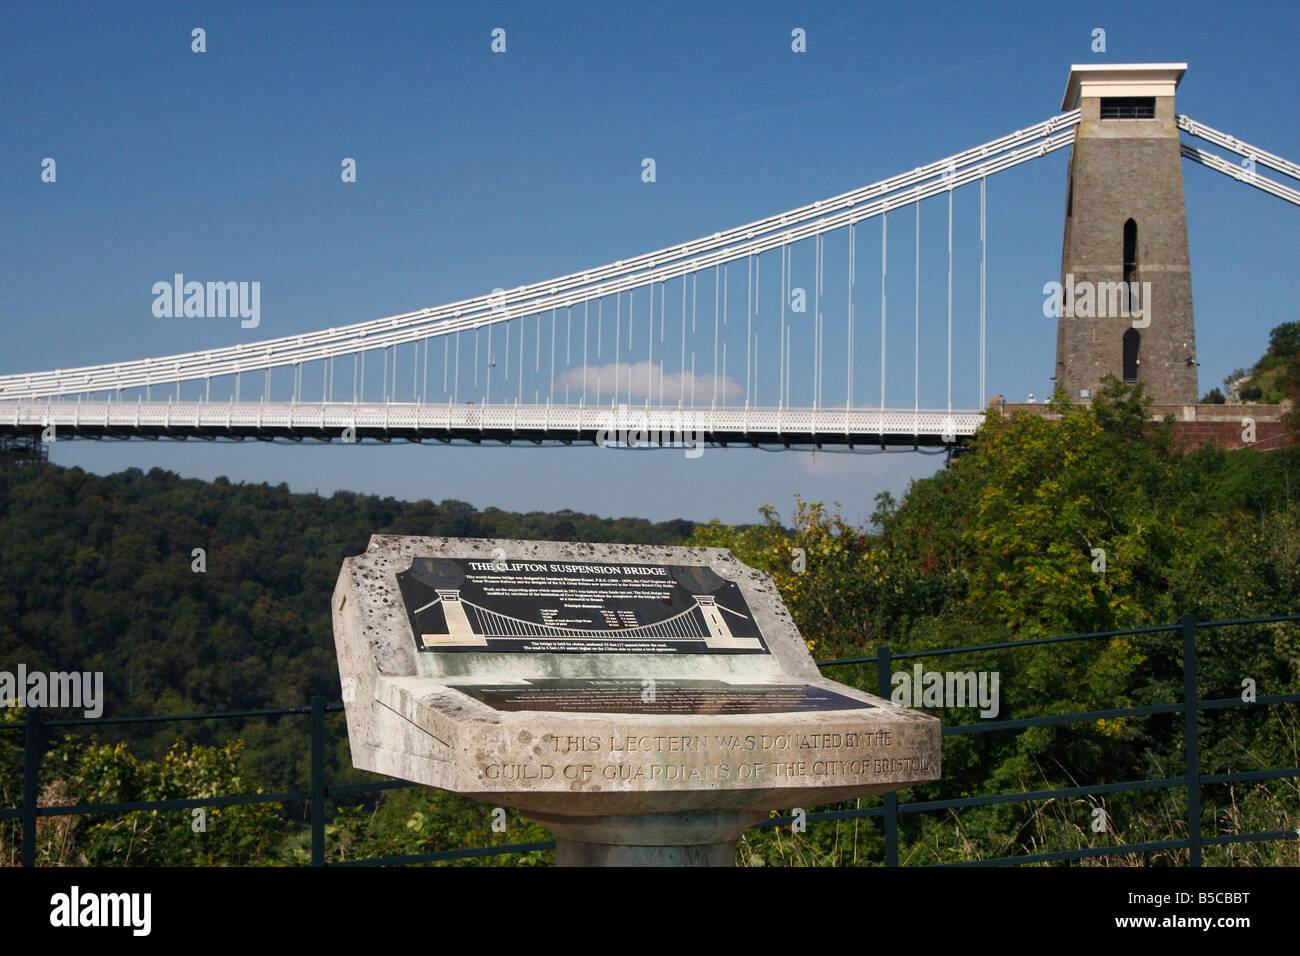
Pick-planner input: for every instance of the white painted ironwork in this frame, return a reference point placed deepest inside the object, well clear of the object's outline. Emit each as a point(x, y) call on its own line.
point(1240, 173)
point(644, 271)
point(331, 420)
point(1261, 157)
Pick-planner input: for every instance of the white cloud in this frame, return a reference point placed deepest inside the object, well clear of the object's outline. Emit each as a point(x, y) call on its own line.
point(649, 380)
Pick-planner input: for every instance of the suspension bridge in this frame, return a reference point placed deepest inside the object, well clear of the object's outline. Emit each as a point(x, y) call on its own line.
point(715, 337)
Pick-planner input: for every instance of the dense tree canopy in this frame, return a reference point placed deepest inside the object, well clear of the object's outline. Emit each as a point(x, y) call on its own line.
point(1091, 523)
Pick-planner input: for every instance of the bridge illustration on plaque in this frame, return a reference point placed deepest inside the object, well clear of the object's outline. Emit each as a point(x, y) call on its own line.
point(522, 607)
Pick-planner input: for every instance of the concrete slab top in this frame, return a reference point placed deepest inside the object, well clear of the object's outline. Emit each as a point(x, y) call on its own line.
point(579, 679)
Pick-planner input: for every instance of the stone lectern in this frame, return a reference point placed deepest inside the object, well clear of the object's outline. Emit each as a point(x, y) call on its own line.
point(645, 704)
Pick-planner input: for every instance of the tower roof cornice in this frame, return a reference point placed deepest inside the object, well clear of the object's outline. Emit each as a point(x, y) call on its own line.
point(1121, 79)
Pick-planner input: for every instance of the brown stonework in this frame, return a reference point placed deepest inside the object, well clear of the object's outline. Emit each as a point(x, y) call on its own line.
point(1197, 425)
point(1193, 435)
point(1122, 169)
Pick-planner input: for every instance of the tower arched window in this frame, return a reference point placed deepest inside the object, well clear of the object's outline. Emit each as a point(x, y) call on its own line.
point(1130, 262)
point(1132, 342)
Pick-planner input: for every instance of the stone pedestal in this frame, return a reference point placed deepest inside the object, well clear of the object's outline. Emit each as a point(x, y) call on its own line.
point(645, 704)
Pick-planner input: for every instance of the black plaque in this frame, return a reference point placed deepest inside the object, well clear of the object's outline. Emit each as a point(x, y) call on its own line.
point(549, 607)
point(629, 696)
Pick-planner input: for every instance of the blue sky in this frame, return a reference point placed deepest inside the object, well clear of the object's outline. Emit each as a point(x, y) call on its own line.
point(478, 170)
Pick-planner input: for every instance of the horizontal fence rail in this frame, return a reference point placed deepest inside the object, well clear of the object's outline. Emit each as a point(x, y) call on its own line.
point(319, 791)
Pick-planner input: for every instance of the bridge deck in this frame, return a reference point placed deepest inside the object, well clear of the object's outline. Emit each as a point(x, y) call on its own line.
point(637, 425)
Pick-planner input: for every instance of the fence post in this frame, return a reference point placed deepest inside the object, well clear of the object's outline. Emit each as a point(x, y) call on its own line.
point(317, 780)
point(883, 686)
point(1191, 707)
point(31, 783)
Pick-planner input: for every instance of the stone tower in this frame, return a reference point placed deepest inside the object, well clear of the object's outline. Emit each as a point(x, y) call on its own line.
point(1125, 274)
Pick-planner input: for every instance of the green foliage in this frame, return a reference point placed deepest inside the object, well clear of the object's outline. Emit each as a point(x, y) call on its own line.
point(1284, 340)
point(828, 597)
point(89, 772)
point(1007, 543)
point(853, 842)
point(1270, 380)
point(422, 820)
point(1291, 389)
point(95, 575)
point(1003, 544)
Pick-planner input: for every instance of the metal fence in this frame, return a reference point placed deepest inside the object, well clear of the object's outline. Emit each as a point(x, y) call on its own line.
point(318, 791)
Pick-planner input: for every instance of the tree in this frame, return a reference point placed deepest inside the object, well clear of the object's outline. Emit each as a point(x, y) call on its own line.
point(1284, 340)
point(1291, 387)
point(819, 567)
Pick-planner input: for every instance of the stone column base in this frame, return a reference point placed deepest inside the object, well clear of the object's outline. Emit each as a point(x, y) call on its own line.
point(703, 838)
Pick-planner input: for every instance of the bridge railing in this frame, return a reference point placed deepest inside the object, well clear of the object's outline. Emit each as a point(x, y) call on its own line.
point(1192, 779)
point(328, 421)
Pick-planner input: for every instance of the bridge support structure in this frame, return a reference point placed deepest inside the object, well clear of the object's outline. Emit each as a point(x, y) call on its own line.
point(1126, 284)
